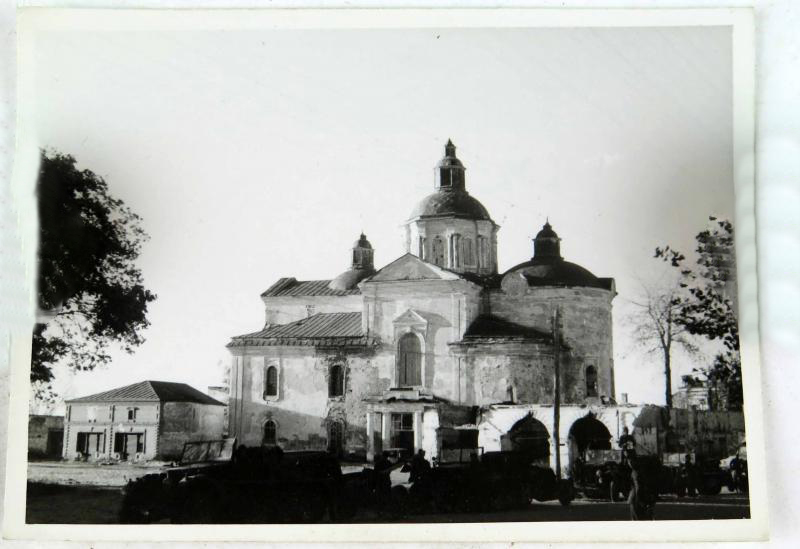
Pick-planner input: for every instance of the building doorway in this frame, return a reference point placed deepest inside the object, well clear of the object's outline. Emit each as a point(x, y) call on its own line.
point(127, 445)
point(336, 438)
point(528, 436)
point(586, 434)
point(90, 444)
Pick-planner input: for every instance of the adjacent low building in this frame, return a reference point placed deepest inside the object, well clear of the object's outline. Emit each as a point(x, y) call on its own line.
point(144, 421)
point(45, 436)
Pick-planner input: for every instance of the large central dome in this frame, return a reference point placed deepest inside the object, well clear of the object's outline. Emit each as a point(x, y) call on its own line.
point(450, 228)
point(451, 198)
point(450, 203)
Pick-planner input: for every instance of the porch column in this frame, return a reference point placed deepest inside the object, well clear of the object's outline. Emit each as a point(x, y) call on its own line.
point(370, 438)
point(385, 418)
point(417, 431)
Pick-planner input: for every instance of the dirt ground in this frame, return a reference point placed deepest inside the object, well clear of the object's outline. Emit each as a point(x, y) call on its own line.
point(56, 504)
point(53, 504)
point(87, 474)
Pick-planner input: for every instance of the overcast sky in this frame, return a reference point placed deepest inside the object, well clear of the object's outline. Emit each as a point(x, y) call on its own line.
point(253, 155)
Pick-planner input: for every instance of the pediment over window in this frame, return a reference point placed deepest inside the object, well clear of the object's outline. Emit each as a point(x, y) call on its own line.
point(412, 319)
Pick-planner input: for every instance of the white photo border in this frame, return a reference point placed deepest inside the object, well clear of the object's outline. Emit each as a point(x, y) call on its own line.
point(35, 20)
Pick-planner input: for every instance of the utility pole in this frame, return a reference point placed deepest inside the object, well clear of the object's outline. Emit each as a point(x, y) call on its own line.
point(557, 386)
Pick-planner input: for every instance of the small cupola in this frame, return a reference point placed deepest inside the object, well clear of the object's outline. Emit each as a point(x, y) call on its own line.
point(546, 245)
point(360, 268)
point(362, 254)
point(450, 170)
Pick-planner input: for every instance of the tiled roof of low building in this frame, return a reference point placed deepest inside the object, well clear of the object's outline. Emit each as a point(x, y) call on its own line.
point(151, 391)
point(322, 329)
point(293, 287)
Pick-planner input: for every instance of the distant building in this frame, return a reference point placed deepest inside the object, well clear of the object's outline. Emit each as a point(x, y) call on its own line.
point(143, 421)
point(692, 395)
point(222, 394)
point(45, 436)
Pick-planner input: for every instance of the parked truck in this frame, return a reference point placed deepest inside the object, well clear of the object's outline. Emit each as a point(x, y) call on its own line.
point(218, 482)
point(485, 482)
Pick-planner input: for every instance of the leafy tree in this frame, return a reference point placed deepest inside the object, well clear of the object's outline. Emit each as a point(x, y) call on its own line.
point(657, 329)
point(88, 283)
point(708, 306)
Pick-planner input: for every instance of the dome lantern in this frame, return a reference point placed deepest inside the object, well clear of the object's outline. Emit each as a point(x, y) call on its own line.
point(361, 266)
point(546, 245)
point(450, 170)
point(362, 254)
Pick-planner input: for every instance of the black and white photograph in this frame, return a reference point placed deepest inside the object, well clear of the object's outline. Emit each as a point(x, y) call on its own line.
point(295, 270)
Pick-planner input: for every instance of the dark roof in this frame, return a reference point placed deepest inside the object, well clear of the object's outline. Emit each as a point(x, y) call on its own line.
point(362, 242)
point(293, 287)
point(450, 203)
point(349, 279)
point(554, 271)
point(323, 329)
point(490, 326)
point(151, 391)
point(547, 231)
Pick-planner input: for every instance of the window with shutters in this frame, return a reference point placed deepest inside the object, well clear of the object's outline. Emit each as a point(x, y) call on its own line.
point(409, 361)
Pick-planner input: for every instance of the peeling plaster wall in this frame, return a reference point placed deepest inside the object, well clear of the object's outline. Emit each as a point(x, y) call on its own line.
point(586, 329)
point(183, 422)
point(489, 372)
point(496, 421)
point(40, 430)
point(302, 409)
point(446, 309)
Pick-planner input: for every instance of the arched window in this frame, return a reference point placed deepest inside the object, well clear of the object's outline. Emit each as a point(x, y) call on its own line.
point(270, 433)
point(591, 381)
point(336, 381)
point(454, 251)
point(409, 361)
point(437, 251)
point(271, 382)
point(335, 437)
point(481, 245)
point(468, 251)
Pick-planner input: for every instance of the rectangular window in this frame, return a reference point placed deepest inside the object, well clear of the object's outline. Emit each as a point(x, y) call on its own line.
point(132, 414)
point(403, 431)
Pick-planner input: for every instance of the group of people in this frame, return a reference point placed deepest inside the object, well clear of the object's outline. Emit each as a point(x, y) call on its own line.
point(418, 468)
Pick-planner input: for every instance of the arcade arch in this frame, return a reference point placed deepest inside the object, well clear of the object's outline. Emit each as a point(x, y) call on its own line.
point(530, 436)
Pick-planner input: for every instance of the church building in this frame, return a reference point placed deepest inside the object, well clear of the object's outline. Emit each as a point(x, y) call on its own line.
point(436, 350)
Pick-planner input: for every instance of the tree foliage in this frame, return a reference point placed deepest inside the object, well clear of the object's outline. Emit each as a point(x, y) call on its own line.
point(88, 281)
point(656, 327)
point(708, 305)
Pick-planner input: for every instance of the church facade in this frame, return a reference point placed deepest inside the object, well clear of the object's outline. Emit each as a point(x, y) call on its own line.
point(436, 350)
